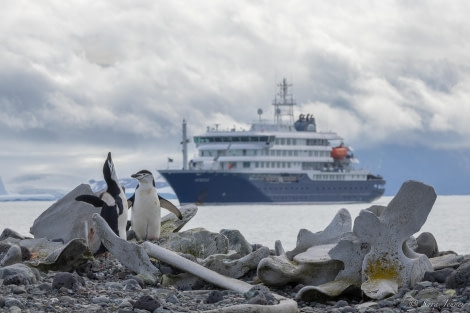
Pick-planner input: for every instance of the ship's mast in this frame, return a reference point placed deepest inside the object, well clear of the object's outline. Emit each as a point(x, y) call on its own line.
point(184, 142)
point(283, 103)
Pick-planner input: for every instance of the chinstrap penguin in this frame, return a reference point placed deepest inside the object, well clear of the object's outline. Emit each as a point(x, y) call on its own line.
point(109, 211)
point(146, 207)
point(115, 190)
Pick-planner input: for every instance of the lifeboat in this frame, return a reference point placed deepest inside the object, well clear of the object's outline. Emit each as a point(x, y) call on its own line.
point(339, 153)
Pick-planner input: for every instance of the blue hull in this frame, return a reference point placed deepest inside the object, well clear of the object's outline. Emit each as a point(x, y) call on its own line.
point(230, 188)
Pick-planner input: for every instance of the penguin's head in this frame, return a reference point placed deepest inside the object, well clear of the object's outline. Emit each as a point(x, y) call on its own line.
point(144, 177)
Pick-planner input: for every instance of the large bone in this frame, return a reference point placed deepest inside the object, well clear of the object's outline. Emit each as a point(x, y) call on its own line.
point(128, 253)
point(390, 264)
point(351, 252)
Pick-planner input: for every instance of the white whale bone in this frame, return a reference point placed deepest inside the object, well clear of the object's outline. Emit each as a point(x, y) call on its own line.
point(391, 264)
point(129, 254)
point(340, 224)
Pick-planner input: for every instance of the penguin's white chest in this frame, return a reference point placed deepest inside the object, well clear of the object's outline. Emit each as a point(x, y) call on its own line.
point(146, 214)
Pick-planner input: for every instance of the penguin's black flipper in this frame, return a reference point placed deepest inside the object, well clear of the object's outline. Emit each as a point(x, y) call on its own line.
point(91, 199)
point(164, 203)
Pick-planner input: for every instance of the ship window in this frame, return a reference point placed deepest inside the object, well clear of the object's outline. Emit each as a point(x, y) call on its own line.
point(278, 152)
point(246, 164)
point(288, 141)
point(273, 164)
point(290, 152)
point(294, 142)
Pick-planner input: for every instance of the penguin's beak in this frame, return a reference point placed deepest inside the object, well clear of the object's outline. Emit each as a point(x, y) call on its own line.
point(136, 176)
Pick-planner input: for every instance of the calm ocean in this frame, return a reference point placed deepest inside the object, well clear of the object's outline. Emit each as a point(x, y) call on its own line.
point(449, 220)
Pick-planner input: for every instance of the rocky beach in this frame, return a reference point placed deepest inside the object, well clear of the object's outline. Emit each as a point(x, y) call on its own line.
point(103, 284)
point(372, 265)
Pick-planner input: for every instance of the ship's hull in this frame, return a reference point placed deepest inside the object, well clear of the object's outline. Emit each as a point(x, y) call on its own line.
point(209, 187)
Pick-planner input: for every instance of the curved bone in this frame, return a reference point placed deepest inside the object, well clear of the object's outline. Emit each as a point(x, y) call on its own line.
point(128, 253)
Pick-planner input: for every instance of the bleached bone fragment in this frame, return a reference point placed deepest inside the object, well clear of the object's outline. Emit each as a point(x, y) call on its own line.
point(129, 254)
point(340, 224)
point(351, 252)
point(309, 263)
point(68, 219)
point(311, 267)
point(390, 264)
point(235, 268)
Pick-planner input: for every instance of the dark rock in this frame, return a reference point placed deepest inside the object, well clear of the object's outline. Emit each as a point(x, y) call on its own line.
point(214, 296)
point(459, 278)
point(67, 280)
point(260, 290)
point(237, 242)
point(427, 245)
point(172, 298)
point(2, 302)
point(148, 303)
point(9, 233)
point(131, 284)
point(341, 303)
point(45, 286)
point(19, 274)
point(439, 276)
point(259, 299)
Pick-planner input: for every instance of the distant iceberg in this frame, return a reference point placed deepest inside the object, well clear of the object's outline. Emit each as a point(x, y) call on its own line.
point(6, 196)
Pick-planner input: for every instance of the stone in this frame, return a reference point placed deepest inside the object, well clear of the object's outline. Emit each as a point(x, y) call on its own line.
point(214, 296)
point(222, 264)
point(459, 278)
point(67, 280)
point(237, 242)
point(427, 245)
point(262, 292)
point(68, 219)
point(148, 303)
point(19, 274)
point(56, 256)
point(170, 223)
point(198, 241)
point(129, 254)
point(439, 276)
point(446, 261)
point(390, 263)
point(12, 256)
point(10, 233)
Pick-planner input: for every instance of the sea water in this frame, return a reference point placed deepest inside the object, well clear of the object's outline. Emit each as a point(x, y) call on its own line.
point(449, 220)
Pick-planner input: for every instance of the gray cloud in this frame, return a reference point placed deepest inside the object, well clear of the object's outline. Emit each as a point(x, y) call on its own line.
point(80, 79)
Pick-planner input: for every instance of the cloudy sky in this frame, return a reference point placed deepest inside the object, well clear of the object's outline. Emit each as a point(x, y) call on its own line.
point(81, 78)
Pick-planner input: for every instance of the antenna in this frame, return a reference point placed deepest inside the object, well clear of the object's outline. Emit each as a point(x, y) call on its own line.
point(284, 99)
point(260, 112)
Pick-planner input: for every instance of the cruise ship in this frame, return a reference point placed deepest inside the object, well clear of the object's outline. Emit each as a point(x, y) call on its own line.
point(283, 161)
